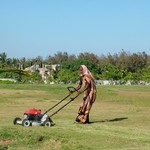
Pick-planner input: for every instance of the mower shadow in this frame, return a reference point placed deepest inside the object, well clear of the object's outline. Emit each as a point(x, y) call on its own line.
point(109, 120)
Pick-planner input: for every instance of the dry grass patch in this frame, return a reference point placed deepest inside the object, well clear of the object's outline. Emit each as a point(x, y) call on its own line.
point(134, 94)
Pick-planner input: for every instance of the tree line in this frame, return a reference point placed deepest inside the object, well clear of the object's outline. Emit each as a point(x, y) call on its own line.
point(121, 66)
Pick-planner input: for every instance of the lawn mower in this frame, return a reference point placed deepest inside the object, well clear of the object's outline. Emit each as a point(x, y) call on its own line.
point(34, 117)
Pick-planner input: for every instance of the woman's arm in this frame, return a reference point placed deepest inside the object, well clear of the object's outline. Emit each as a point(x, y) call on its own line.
point(87, 84)
point(79, 85)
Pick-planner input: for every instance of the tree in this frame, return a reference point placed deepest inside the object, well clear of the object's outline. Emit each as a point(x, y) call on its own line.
point(122, 60)
point(89, 56)
point(3, 59)
point(111, 72)
point(137, 61)
point(146, 73)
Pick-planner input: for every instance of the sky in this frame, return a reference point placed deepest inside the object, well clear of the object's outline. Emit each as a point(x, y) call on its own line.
point(32, 28)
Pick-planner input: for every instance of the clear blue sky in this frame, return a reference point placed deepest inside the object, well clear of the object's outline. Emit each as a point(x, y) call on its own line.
point(32, 28)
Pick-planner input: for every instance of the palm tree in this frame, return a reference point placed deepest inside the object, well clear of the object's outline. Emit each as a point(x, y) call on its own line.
point(3, 59)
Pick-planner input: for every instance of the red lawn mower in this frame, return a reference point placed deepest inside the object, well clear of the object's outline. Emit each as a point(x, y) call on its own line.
point(33, 117)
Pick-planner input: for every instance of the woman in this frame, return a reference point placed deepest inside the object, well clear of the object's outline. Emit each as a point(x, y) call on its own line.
point(86, 79)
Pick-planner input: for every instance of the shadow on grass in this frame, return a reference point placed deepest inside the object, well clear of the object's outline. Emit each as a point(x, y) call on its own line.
point(110, 120)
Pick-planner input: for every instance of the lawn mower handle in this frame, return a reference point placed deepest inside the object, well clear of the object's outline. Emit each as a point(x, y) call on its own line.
point(71, 89)
point(71, 99)
point(70, 92)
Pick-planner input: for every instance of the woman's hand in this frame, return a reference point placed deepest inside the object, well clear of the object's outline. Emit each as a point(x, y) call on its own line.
point(79, 92)
point(70, 92)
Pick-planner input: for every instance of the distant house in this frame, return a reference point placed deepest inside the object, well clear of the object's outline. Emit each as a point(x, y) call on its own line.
point(32, 68)
point(44, 71)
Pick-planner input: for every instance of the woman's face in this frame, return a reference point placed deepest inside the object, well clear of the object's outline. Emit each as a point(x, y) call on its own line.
point(81, 70)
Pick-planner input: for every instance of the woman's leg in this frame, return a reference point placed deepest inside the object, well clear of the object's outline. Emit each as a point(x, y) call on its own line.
point(91, 100)
point(81, 109)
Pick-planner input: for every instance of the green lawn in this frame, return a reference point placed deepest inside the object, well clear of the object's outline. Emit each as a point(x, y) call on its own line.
point(120, 119)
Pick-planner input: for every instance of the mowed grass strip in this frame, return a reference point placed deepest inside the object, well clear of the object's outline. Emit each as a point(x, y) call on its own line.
point(119, 119)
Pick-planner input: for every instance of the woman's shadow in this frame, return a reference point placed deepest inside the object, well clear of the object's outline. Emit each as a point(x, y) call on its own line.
point(110, 120)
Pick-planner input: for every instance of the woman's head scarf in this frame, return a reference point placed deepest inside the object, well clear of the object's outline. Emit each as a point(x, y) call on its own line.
point(86, 71)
